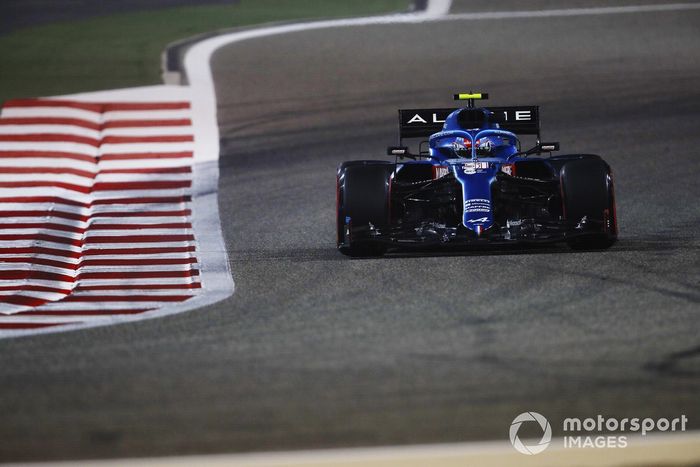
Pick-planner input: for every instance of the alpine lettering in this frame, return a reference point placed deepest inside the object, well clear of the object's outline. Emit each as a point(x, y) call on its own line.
point(417, 118)
point(523, 115)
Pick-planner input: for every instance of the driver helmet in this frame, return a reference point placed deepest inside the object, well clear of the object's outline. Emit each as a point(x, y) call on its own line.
point(485, 145)
point(462, 147)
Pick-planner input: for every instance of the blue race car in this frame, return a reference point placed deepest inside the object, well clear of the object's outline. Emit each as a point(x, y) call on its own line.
point(471, 184)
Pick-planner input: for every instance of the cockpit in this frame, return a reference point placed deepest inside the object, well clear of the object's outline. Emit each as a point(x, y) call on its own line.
point(470, 133)
point(468, 144)
point(487, 144)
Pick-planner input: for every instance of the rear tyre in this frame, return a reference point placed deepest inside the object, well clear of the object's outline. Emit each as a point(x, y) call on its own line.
point(588, 198)
point(363, 189)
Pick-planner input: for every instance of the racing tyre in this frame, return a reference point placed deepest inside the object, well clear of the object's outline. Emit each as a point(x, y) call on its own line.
point(588, 198)
point(363, 189)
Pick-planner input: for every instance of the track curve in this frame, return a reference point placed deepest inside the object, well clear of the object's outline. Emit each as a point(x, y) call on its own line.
point(315, 350)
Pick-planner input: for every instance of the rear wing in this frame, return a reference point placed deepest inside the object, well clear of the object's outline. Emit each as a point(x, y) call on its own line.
point(421, 123)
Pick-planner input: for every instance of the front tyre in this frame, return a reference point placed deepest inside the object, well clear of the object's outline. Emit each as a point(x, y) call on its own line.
point(588, 198)
point(362, 206)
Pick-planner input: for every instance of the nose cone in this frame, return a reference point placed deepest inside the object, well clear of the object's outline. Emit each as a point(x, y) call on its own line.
point(476, 178)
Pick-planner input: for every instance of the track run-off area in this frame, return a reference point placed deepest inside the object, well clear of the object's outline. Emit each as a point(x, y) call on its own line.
point(315, 350)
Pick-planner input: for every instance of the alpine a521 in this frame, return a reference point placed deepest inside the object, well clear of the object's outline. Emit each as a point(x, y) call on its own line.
point(470, 184)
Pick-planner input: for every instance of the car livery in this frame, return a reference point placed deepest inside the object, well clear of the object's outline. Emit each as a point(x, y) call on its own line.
point(470, 183)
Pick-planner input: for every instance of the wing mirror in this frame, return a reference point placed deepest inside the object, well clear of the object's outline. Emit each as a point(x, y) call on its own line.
point(399, 151)
point(543, 147)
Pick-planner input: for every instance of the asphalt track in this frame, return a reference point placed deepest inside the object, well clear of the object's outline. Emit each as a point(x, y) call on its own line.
point(315, 350)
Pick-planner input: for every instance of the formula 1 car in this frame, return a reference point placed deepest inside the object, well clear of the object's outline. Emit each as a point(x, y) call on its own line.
point(471, 184)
